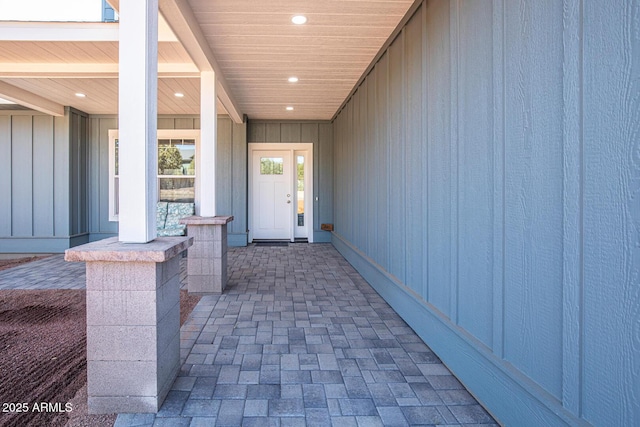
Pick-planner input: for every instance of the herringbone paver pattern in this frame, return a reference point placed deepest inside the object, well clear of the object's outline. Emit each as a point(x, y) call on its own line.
point(298, 338)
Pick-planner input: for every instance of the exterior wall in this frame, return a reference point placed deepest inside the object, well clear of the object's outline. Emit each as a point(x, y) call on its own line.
point(43, 189)
point(320, 134)
point(486, 182)
point(231, 196)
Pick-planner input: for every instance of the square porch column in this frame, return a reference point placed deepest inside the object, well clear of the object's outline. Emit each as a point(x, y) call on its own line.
point(133, 289)
point(138, 120)
point(133, 322)
point(207, 259)
point(206, 166)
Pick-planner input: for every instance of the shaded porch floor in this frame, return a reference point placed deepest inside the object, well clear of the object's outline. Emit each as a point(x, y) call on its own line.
point(298, 338)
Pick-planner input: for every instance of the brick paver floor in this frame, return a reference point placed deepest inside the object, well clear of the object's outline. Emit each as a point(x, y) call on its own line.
point(298, 338)
point(47, 273)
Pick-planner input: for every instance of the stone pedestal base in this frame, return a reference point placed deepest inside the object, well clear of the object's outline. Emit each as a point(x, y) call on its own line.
point(207, 259)
point(133, 322)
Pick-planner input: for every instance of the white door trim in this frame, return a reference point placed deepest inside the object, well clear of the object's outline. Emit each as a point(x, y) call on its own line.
point(308, 181)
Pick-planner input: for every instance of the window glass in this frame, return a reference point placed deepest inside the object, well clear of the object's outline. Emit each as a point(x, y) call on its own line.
point(300, 181)
point(116, 159)
point(176, 157)
point(271, 165)
point(177, 189)
point(176, 172)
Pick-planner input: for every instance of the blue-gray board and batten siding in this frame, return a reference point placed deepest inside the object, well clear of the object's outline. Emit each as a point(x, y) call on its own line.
point(57, 184)
point(43, 186)
point(487, 183)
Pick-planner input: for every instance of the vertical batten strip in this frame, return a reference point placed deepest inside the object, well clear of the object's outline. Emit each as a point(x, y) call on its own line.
point(454, 34)
point(5, 177)
point(425, 153)
point(61, 178)
point(498, 176)
point(387, 136)
point(572, 209)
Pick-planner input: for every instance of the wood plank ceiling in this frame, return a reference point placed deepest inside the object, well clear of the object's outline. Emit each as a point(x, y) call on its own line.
point(255, 44)
point(259, 48)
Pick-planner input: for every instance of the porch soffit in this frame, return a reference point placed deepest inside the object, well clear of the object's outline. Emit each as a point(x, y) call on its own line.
point(258, 48)
point(252, 46)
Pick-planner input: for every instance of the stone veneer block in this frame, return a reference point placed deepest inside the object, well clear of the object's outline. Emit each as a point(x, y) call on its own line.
point(207, 260)
point(133, 322)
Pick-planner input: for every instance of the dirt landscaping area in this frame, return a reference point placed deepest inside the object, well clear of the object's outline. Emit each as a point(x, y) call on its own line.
point(43, 358)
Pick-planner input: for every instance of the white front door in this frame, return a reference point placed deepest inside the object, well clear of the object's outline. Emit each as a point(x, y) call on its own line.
point(272, 212)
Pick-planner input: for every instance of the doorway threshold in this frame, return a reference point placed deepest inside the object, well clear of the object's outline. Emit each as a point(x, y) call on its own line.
point(271, 242)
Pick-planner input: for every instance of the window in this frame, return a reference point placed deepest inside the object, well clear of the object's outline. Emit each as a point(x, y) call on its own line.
point(271, 165)
point(300, 189)
point(176, 170)
point(176, 167)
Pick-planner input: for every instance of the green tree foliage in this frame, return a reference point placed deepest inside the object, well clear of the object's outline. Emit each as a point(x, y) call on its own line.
point(300, 176)
point(169, 161)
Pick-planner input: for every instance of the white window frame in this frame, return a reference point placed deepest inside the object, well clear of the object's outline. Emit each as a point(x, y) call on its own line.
point(162, 134)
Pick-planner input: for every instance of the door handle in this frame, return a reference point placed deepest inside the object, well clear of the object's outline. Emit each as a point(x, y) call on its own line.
point(288, 201)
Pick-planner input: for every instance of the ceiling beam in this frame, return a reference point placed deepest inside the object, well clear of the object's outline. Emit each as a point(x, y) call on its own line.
point(59, 31)
point(70, 32)
point(88, 70)
point(29, 99)
point(182, 21)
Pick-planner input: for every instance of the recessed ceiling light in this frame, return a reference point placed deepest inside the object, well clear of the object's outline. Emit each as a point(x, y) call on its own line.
point(179, 95)
point(289, 108)
point(299, 19)
point(81, 95)
point(293, 79)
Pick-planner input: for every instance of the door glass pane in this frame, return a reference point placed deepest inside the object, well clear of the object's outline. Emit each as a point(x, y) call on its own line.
point(271, 165)
point(300, 181)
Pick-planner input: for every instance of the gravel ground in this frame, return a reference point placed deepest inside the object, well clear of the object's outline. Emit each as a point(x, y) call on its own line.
point(43, 358)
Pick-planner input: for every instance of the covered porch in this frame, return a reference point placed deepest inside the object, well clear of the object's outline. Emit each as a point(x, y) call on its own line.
point(475, 162)
point(298, 337)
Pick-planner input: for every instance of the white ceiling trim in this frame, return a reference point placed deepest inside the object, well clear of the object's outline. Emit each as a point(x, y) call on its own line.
point(182, 21)
point(88, 70)
point(71, 31)
point(29, 99)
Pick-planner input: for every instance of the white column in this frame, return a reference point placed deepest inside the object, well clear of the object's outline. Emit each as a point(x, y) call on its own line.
point(137, 120)
point(206, 172)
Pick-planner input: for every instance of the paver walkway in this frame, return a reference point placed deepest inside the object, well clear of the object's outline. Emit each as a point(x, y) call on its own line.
point(48, 273)
point(298, 338)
